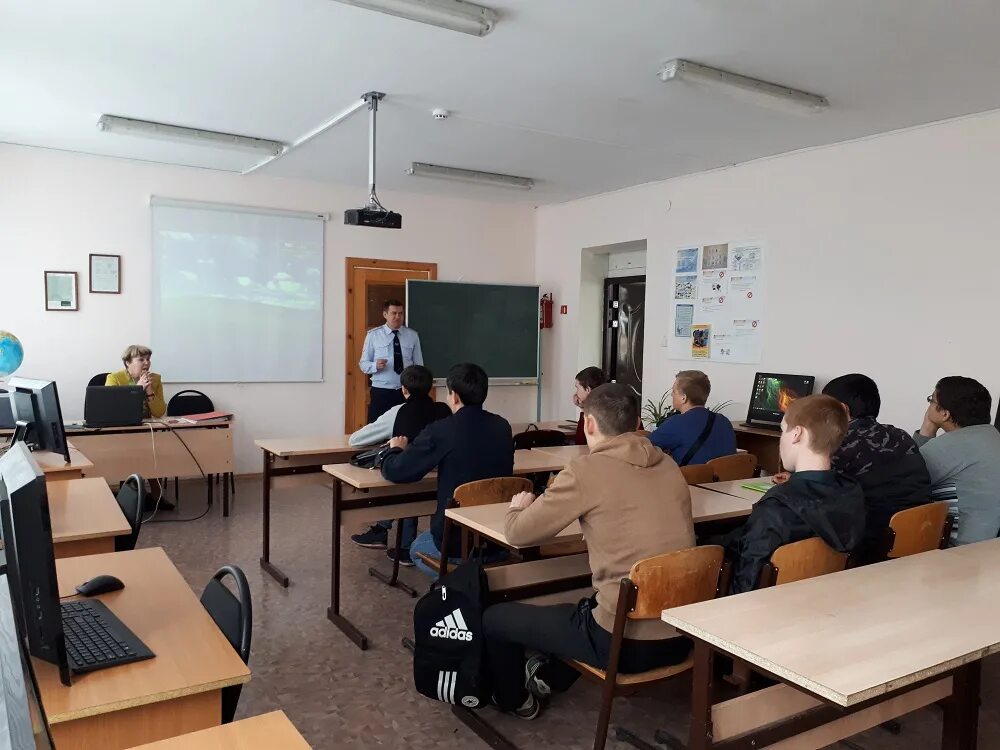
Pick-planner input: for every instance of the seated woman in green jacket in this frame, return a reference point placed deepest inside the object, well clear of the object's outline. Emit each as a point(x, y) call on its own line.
point(136, 359)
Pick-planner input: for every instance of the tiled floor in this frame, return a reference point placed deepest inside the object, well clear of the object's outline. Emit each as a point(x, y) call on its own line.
point(339, 696)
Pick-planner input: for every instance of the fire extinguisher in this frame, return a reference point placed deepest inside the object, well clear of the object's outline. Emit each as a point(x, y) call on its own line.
point(545, 311)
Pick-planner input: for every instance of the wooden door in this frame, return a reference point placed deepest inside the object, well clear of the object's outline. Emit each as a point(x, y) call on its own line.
point(369, 283)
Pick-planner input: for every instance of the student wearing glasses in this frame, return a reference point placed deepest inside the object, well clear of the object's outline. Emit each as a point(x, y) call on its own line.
point(962, 451)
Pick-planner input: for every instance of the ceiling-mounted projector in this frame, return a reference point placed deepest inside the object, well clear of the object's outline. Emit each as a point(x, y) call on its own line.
point(374, 214)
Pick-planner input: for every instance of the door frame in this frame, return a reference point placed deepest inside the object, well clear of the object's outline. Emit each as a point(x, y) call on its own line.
point(610, 334)
point(352, 348)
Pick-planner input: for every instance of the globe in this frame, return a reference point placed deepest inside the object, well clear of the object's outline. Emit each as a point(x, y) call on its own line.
point(11, 354)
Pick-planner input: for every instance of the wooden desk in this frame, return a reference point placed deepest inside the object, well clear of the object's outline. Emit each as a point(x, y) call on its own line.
point(736, 489)
point(285, 457)
point(160, 449)
point(489, 520)
point(178, 691)
point(565, 426)
point(85, 517)
point(272, 731)
point(762, 443)
point(55, 468)
point(566, 452)
point(364, 495)
point(853, 649)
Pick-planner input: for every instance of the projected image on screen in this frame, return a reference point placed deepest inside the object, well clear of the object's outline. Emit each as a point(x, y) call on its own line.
point(773, 394)
point(238, 297)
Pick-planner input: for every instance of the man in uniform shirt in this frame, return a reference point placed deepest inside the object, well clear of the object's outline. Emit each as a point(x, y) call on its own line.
point(388, 350)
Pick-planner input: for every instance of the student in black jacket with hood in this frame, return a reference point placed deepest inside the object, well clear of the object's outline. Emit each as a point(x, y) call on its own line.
point(815, 501)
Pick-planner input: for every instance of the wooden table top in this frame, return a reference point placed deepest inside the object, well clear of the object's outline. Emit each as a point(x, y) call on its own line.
point(762, 431)
point(84, 509)
point(525, 462)
point(566, 452)
point(166, 423)
point(53, 464)
point(272, 731)
point(851, 636)
point(192, 654)
point(565, 426)
point(736, 489)
point(307, 446)
point(489, 520)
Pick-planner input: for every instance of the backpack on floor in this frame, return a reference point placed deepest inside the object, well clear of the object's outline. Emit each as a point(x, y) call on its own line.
point(449, 658)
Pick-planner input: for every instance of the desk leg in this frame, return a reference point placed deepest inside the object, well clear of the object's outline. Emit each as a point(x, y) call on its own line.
point(225, 496)
point(961, 710)
point(265, 553)
point(483, 729)
point(393, 580)
point(700, 737)
point(333, 613)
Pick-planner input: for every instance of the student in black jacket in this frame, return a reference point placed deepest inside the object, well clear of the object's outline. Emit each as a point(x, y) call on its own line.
point(416, 412)
point(815, 501)
point(472, 444)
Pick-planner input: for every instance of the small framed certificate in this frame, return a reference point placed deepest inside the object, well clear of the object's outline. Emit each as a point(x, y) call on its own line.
point(60, 290)
point(105, 274)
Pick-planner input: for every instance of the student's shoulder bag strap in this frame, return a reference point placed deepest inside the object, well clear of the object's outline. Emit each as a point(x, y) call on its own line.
point(696, 445)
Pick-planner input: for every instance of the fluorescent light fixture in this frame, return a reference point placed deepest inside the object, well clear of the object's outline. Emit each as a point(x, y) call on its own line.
point(164, 132)
point(419, 169)
point(742, 87)
point(456, 15)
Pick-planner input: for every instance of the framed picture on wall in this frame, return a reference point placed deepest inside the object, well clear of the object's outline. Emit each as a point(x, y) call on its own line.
point(60, 290)
point(105, 274)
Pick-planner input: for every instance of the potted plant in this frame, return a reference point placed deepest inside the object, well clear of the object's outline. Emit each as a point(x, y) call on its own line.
point(655, 413)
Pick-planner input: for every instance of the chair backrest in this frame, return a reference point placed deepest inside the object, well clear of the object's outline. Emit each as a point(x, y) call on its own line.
point(488, 491)
point(698, 474)
point(918, 529)
point(673, 579)
point(234, 616)
point(736, 466)
point(189, 402)
point(800, 560)
point(538, 439)
point(100, 378)
point(131, 499)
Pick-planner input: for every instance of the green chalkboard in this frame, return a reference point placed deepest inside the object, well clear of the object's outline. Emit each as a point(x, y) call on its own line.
point(493, 325)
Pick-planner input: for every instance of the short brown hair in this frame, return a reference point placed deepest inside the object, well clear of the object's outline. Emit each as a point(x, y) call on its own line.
point(591, 377)
point(695, 385)
point(135, 350)
point(615, 408)
point(391, 303)
point(824, 417)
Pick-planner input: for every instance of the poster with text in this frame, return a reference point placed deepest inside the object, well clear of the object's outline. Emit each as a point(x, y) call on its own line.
point(723, 286)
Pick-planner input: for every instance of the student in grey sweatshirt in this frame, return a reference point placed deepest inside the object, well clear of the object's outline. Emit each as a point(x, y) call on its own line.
point(965, 455)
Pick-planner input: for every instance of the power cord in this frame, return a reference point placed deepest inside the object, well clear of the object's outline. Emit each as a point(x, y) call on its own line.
point(173, 432)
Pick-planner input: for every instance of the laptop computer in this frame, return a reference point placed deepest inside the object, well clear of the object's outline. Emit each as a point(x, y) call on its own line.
point(113, 406)
point(771, 396)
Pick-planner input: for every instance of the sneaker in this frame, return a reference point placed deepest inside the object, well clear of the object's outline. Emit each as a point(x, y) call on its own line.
point(404, 557)
point(530, 710)
point(532, 682)
point(375, 538)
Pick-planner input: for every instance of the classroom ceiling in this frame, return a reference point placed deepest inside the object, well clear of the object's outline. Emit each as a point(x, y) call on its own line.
point(563, 91)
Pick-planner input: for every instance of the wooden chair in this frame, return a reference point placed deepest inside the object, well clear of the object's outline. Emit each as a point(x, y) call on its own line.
point(698, 474)
point(917, 530)
point(736, 466)
point(469, 495)
point(669, 580)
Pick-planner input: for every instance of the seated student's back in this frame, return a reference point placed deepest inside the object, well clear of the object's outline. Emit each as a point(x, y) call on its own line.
point(687, 436)
point(420, 409)
point(815, 501)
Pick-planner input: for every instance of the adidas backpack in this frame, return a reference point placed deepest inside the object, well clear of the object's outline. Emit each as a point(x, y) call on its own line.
point(449, 655)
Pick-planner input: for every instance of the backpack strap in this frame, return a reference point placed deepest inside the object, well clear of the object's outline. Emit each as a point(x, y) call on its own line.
point(696, 445)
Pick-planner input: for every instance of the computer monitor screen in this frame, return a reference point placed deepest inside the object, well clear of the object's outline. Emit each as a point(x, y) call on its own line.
point(26, 726)
point(31, 566)
point(37, 403)
point(773, 393)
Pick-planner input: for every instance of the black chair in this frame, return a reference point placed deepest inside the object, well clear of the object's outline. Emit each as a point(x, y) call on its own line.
point(234, 616)
point(131, 499)
point(191, 401)
point(99, 379)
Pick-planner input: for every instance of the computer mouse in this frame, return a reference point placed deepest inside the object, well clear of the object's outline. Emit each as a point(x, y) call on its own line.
point(99, 585)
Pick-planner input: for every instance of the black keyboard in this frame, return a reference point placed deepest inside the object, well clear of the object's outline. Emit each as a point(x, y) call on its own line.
point(96, 639)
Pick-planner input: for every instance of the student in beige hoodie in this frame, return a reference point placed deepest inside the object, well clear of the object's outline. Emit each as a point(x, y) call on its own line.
point(632, 503)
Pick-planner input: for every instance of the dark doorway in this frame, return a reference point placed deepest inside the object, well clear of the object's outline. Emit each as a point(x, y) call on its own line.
point(625, 315)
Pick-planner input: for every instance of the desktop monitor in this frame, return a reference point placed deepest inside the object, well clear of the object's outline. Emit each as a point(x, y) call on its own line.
point(31, 565)
point(26, 727)
point(772, 394)
point(7, 421)
point(36, 403)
